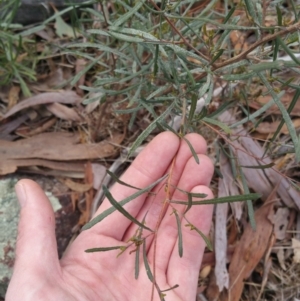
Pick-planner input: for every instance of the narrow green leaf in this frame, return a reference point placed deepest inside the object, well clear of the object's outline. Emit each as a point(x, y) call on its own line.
point(121, 209)
point(76, 78)
point(155, 60)
point(230, 13)
point(115, 178)
point(251, 10)
point(248, 202)
point(192, 150)
point(137, 263)
point(289, 110)
point(259, 166)
point(147, 267)
point(258, 112)
point(98, 32)
point(180, 246)
point(233, 66)
point(171, 288)
point(285, 114)
point(279, 15)
point(233, 162)
point(195, 195)
point(33, 30)
point(125, 38)
point(135, 32)
point(188, 72)
point(157, 91)
point(227, 199)
point(104, 249)
point(206, 239)
point(190, 203)
point(110, 210)
point(240, 76)
point(98, 46)
point(149, 129)
point(287, 82)
point(220, 124)
point(217, 55)
point(205, 86)
point(137, 252)
point(192, 107)
point(278, 64)
point(129, 14)
point(288, 50)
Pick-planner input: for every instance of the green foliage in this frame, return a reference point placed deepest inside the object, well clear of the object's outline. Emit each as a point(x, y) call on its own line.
point(170, 62)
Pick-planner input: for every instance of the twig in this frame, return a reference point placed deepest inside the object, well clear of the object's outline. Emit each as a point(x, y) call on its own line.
point(161, 214)
point(180, 34)
point(244, 54)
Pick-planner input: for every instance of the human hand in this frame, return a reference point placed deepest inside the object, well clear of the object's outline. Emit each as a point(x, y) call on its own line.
point(39, 275)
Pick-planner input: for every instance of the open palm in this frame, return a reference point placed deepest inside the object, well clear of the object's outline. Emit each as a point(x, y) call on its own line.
point(39, 275)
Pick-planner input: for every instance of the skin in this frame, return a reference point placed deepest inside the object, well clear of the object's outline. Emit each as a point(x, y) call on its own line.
point(40, 275)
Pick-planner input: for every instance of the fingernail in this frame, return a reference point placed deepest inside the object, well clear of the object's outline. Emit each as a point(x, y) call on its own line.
point(21, 194)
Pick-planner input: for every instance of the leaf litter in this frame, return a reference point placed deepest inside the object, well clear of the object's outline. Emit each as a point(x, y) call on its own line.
point(58, 142)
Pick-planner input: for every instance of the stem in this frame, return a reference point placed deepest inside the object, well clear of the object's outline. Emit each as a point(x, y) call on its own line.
point(180, 34)
point(161, 214)
point(244, 54)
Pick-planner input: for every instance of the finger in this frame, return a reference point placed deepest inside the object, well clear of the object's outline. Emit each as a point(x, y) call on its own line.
point(185, 270)
point(194, 174)
point(153, 204)
point(148, 167)
point(36, 250)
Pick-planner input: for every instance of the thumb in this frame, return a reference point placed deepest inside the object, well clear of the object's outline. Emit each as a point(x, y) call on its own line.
point(36, 243)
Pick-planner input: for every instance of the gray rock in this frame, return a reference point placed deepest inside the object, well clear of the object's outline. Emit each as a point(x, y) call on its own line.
point(34, 11)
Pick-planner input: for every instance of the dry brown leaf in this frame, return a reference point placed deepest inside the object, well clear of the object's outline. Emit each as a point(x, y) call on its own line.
point(247, 150)
point(13, 96)
point(48, 82)
point(296, 248)
point(99, 172)
point(28, 131)
point(80, 65)
point(238, 40)
point(221, 273)
point(66, 97)
point(249, 251)
point(63, 112)
point(52, 146)
point(281, 258)
point(7, 128)
point(75, 186)
point(285, 99)
point(11, 165)
point(271, 127)
point(281, 221)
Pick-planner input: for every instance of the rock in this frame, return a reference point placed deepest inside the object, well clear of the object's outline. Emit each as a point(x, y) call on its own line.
point(34, 11)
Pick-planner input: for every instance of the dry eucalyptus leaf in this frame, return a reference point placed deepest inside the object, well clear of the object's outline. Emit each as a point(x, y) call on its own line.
point(99, 172)
point(250, 249)
point(221, 273)
point(13, 96)
point(54, 146)
point(296, 248)
point(75, 186)
point(281, 258)
point(63, 112)
point(271, 127)
point(281, 221)
point(247, 150)
point(66, 97)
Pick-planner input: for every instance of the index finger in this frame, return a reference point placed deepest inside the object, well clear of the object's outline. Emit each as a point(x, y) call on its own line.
point(150, 165)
